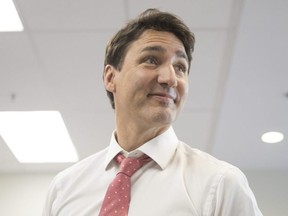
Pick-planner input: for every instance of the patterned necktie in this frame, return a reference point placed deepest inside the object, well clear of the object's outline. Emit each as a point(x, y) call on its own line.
point(117, 198)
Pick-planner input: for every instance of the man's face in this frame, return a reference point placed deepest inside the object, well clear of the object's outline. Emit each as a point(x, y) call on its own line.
point(152, 86)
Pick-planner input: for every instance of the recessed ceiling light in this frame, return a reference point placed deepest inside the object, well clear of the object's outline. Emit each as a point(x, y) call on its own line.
point(272, 137)
point(9, 18)
point(37, 137)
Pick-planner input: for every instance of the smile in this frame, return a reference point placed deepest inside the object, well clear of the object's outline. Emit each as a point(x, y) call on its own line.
point(163, 97)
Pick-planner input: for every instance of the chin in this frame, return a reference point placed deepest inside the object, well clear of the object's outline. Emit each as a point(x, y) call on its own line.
point(164, 117)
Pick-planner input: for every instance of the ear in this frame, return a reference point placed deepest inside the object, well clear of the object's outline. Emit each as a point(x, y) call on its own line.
point(108, 78)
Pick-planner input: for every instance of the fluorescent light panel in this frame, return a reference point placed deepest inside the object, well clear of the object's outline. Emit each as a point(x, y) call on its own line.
point(9, 18)
point(37, 136)
point(272, 137)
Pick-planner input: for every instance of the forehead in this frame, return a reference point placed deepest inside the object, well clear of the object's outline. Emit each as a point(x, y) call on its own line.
point(158, 38)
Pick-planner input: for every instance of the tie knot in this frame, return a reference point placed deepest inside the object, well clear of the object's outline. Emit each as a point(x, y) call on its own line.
point(130, 165)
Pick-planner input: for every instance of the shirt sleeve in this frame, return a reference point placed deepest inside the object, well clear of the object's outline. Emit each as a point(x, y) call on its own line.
point(233, 196)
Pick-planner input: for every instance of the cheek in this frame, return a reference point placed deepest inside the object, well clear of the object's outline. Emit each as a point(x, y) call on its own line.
point(183, 88)
point(134, 86)
point(142, 79)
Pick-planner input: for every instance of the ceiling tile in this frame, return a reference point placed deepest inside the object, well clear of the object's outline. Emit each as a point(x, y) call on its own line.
point(72, 15)
point(193, 128)
point(19, 69)
point(205, 72)
point(73, 67)
point(16, 53)
point(255, 101)
point(196, 14)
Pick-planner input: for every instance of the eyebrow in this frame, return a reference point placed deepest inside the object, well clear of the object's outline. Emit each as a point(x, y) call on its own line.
point(163, 50)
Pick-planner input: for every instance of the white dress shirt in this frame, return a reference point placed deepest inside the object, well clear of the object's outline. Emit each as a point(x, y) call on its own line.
point(178, 181)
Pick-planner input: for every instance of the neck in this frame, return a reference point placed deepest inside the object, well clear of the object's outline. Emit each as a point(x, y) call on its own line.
point(131, 136)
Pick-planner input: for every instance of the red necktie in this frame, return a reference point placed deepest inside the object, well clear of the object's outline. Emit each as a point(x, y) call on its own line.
point(117, 198)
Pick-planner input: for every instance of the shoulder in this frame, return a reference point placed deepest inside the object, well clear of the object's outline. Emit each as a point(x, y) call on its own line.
point(208, 170)
point(87, 166)
point(223, 186)
point(202, 160)
point(71, 181)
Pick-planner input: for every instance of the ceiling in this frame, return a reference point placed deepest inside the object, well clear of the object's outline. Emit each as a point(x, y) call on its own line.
point(238, 79)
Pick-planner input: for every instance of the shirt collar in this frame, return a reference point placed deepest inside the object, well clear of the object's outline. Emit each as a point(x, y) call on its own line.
point(160, 149)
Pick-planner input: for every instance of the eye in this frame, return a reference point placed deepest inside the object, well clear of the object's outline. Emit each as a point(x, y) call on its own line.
point(180, 68)
point(151, 60)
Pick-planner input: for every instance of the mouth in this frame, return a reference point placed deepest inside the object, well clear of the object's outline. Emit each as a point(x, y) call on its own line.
point(163, 96)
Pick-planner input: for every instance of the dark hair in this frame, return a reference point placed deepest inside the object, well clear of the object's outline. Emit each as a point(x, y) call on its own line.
point(150, 19)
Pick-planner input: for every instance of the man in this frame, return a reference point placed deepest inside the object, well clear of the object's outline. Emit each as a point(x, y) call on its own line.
point(146, 77)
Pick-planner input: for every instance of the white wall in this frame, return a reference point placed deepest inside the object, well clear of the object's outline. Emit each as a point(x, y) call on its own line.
point(271, 191)
point(24, 194)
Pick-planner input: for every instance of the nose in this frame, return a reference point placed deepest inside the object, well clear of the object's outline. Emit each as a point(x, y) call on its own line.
point(167, 76)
